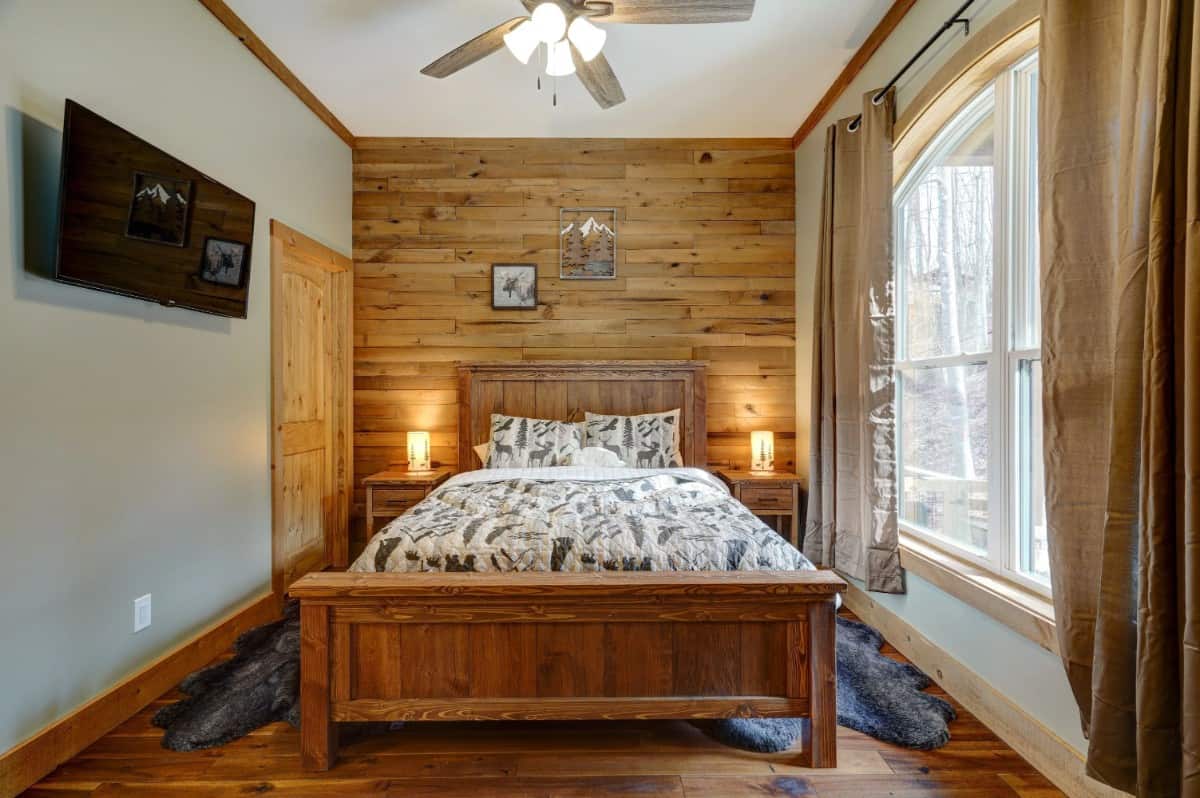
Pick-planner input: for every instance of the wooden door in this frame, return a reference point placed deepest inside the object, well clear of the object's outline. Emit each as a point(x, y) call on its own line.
point(311, 406)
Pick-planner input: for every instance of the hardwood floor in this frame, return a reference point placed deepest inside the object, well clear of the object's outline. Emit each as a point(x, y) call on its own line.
point(431, 760)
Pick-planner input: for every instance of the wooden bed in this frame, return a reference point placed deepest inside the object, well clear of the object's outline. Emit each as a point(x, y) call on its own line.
point(569, 646)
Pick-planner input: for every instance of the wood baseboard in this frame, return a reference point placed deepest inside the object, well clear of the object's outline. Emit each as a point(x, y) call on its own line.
point(1045, 750)
point(27, 762)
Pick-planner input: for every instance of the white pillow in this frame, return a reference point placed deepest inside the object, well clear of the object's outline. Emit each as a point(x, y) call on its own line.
point(482, 451)
point(596, 456)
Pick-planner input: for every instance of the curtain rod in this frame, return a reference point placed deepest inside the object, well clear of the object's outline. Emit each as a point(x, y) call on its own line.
point(956, 18)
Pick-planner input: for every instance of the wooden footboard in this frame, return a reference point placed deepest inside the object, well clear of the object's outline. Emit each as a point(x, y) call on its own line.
point(555, 646)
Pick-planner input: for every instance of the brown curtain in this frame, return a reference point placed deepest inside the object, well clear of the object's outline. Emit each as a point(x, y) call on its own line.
point(1120, 239)
point(851, 522)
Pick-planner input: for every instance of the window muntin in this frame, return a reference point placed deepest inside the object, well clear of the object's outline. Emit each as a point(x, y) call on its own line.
point(968, 360)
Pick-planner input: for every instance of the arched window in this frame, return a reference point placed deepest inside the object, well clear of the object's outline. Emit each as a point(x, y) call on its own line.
point(967, 337)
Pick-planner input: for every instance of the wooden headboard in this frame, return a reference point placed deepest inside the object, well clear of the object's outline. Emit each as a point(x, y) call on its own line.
point(555, 389)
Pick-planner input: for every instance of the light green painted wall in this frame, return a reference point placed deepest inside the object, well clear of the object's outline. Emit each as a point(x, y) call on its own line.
point(134, 439)
point(1030, 676)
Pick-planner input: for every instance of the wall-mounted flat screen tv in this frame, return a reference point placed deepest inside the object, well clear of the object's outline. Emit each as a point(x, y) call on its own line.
point(135, 221)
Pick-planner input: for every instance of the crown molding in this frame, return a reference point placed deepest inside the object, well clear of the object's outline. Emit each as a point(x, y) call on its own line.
point(842, 82)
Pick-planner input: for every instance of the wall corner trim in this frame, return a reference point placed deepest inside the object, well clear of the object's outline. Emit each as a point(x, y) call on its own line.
point(855, 65)
point(226, 16)
point(1056, 759)
point(27, 762)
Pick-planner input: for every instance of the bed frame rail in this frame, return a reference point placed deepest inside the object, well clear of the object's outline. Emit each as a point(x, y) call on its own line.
point(555, 646)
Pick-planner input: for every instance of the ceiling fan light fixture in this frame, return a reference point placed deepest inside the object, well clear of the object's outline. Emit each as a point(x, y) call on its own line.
point(549, 22)
point(560, 64)
point(587, 38)
point(522, 41)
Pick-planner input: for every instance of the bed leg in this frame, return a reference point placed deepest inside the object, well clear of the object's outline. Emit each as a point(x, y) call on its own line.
point(318, 732)
point(820, 728)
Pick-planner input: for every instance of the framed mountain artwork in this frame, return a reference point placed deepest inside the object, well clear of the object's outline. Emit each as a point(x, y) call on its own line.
point(158, 210)
point(587, 243)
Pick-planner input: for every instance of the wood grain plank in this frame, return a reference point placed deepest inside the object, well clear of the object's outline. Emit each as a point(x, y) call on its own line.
point(639, 660)
point(570, 660)
point(764, 661)
point(376, 669)
point(765, 585)
point(820, 730)
point(565, 708)
point(436, 660)
point(503, 660)
point(318, 740)
point(706, 251)
point(707, 659)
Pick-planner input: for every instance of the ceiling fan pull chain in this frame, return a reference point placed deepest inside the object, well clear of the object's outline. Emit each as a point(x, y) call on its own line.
point(555, 91)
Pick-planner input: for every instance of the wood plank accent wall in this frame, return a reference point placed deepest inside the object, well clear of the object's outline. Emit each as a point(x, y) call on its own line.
point(705, 270)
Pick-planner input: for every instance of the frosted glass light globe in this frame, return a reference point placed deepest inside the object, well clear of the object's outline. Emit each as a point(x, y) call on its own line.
point(587, 38)
point(560, 64)
point(549, 22)
point(522, 41)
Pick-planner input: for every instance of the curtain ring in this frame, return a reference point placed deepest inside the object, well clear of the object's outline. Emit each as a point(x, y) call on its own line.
point(878, 98)
point(854, 125)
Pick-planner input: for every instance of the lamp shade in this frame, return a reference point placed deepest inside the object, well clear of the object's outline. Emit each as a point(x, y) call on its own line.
point(762, 450)
point(560, 64)
point(587, 38)
point(522, 41)
point(418, 450)
point(549, 22)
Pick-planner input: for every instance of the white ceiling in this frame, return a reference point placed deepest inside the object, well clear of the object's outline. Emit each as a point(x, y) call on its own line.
point(756, 78)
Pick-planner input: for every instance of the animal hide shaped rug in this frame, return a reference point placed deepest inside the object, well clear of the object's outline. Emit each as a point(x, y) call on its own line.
point(260, 685)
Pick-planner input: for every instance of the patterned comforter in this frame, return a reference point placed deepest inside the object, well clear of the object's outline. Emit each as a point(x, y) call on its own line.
point(579, 519)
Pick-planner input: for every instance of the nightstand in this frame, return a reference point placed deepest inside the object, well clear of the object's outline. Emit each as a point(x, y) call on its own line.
point(393, 492)
point(775, 494)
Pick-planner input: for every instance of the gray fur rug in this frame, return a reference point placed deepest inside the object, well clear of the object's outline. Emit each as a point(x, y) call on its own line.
point(260, 685)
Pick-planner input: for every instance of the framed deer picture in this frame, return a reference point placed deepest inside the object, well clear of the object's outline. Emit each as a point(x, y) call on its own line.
point(514, 286)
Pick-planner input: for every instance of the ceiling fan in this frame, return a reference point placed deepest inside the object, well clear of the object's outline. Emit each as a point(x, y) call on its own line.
point(573, 43)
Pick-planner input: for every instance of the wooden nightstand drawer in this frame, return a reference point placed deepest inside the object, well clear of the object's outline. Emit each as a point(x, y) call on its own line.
point(385, 500)
point(767, 497)
point(774, 494)
point(394, 492)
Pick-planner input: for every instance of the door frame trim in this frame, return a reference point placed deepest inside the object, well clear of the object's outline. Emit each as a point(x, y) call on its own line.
point(320, 257)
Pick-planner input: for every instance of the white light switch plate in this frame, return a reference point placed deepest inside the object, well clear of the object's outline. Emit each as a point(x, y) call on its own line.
point(141, 613)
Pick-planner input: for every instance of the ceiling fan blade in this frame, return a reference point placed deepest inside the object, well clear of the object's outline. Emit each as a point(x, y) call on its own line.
point(464, 55)
point(675, 12)
point(599, 79)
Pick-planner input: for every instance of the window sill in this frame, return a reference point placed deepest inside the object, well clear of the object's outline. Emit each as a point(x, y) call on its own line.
point(1025, 611)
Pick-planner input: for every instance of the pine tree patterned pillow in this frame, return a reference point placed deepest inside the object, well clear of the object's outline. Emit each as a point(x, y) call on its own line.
point(532, 442)
point(646, 441)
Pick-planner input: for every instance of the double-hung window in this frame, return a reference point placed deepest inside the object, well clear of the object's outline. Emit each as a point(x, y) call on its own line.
point(968, 356)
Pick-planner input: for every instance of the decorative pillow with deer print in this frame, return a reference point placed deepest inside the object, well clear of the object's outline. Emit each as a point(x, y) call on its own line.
point(647, 441)
point(532, 442)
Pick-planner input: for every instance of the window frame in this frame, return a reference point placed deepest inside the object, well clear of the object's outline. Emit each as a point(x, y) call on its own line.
point(1005, 96)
